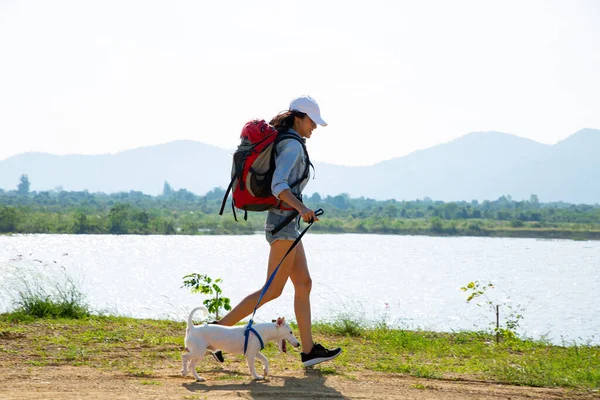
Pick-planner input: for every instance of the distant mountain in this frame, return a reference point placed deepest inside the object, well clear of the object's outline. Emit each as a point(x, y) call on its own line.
point(479, 165)
point(185, 164)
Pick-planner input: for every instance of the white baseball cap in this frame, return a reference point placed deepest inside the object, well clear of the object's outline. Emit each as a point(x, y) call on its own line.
point(308, 106)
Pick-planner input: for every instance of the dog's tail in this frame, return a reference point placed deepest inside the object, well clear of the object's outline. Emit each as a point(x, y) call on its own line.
point(190, 323)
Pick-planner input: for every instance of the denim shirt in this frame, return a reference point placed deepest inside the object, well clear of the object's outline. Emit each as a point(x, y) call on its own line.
point(290, 164)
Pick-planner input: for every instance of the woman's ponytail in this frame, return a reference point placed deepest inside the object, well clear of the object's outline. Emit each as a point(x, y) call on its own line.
point(285, 120)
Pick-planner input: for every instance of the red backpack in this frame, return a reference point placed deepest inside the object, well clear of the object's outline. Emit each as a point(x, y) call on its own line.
point(253, 167)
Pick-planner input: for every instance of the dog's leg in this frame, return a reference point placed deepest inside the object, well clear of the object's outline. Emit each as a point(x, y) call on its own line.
point(193, 369)
point(196, 353)
point(250, 359)
point(185, 359)
point(265, 362)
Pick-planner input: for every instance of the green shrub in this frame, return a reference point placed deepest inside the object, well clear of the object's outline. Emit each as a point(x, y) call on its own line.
point(45, 292)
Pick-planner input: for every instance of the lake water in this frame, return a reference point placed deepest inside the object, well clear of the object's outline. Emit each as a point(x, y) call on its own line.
point(408, 281)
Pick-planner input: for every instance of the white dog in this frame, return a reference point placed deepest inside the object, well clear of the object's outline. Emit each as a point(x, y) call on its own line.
point(231, 339)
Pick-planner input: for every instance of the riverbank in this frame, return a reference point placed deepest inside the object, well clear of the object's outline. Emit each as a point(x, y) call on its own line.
point(499, 232)
point(114, 357)
point(184, 213)
point(523, 233)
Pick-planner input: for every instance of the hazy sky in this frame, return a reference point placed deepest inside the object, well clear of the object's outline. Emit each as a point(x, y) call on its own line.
point(391, 77)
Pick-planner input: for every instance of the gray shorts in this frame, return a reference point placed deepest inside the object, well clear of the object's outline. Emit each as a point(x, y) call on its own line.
point(289, 232)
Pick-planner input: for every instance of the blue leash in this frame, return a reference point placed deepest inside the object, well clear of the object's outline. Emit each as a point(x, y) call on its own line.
point(249, 328)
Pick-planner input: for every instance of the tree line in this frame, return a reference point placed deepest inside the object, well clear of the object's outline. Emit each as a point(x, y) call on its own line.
point(183, 212)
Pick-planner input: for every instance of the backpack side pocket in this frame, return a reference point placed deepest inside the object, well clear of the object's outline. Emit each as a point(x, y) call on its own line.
point(260, 174)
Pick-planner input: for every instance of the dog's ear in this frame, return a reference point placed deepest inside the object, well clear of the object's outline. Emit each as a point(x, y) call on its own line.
point(280, 321)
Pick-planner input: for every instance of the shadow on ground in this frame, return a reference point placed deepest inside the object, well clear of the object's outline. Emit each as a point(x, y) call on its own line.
point(311, 386)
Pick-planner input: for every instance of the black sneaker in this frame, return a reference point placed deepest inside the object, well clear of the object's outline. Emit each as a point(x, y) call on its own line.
point(318, 354)
point(218, 355)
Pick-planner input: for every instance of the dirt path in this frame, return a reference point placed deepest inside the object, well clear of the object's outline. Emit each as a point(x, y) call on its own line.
point(68, 382)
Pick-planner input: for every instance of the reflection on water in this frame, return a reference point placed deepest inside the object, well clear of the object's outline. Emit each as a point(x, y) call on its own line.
point(408, 281)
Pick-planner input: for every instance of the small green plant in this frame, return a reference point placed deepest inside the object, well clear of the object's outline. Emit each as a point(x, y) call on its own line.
point(512, 321)
point(204, 284)
point(477, 290)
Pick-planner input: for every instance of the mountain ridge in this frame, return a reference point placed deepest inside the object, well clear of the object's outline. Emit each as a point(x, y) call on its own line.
point(478, 165)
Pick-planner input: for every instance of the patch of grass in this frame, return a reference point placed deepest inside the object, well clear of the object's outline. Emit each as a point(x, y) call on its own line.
point(343, 325)
point(40, 306)
point(327, 370)
point(420, 386)
point(473, 354)
point(45, 291)
point(17, 317)
point(141, 347)
point(36, 363)
point(76, 354)
point(154, 383)
point(11, 333)
point(139, 372)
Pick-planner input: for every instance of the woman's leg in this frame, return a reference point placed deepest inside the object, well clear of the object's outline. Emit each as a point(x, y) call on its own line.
point(246, 306)
point(302, 285)
point(312, 353)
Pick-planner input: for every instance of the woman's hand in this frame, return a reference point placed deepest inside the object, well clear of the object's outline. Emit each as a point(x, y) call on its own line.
point(308, 215)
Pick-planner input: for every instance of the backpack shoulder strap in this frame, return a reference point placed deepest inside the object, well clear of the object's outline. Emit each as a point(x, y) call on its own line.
point(283, 136)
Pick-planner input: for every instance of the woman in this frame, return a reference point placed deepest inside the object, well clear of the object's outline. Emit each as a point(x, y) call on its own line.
point(289, 179)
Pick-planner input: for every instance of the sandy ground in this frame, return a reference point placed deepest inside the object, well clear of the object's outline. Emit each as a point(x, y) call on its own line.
point(68, 382)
